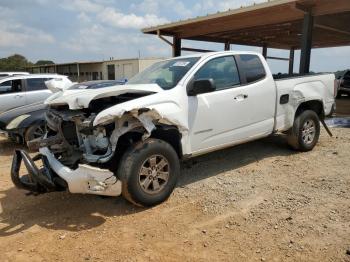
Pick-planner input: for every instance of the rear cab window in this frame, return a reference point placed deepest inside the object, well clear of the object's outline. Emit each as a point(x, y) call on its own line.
point(251, 68)
point(35, 84)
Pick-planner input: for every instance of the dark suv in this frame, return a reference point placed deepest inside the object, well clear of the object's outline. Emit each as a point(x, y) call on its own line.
point(344, 84)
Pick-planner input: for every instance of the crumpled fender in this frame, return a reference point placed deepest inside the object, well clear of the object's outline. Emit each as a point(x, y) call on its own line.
point(160, 107)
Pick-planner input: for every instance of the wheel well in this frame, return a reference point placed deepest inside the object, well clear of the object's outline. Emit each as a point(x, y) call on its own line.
point(314, 105)
point(124, 142)
point(169, 134)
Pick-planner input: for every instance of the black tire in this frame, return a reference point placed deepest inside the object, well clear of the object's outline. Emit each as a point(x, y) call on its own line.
point(34, 132)
point(139, 157)
point(296, 139)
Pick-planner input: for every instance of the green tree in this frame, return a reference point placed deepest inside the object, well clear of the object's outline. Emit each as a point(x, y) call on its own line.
point(44, 62)
point(14, 62)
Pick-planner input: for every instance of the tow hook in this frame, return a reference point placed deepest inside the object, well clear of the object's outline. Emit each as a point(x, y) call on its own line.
point(37, 180)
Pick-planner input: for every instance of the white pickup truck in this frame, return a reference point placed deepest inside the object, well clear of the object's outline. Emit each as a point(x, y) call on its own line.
point(130, 139)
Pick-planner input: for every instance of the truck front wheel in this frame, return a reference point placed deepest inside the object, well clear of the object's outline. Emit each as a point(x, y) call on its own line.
point(305, 132)
point(149, 171)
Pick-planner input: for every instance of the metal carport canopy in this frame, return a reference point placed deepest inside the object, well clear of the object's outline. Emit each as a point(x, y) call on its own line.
point(283, 24)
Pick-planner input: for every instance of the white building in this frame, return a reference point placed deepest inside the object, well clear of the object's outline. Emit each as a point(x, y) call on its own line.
point(103, 70)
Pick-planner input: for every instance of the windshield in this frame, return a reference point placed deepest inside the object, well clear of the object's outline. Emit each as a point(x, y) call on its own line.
point(166, 73)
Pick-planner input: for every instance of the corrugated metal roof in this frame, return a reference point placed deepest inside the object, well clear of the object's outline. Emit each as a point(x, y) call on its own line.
point(277, 24)
point(242, 9)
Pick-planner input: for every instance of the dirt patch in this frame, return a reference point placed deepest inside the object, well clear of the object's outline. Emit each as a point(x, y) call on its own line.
point(255, 202)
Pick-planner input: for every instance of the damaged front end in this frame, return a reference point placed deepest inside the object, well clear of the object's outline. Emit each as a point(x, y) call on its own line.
point(73, 139)
point(75, 153)
point(79, 155)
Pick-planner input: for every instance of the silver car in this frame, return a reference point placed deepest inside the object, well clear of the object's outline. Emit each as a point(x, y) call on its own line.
point(5, 74)
point(16, 91)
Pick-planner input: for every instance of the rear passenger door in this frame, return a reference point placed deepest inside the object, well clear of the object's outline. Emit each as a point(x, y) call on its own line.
point(36, 90)
point(11, 94)
point(254, 101)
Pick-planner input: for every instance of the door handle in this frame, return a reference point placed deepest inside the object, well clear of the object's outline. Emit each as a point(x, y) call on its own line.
point(18, 96)
point(241, 97)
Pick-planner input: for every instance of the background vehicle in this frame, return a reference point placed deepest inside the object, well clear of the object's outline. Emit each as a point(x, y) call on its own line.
point(26, 123)
point(130, 140)
point(5, 74)
point(16, 91)
point(96, 84)
point(344, 84)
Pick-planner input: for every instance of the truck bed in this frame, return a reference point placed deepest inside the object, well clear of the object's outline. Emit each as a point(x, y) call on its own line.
point(279, 77)
point(301, 88)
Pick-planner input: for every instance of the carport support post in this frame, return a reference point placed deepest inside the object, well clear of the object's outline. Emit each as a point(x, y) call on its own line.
point(306, 43)
point(291, 61)
point(227, 46)
point(176, 46)
point(78, 72)
point(264, 51)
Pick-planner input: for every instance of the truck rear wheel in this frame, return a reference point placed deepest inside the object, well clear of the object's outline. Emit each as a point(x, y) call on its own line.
point(305, 132)
point(149, 171)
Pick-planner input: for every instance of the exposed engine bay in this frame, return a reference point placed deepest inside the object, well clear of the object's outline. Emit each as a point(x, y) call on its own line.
point(73, 139)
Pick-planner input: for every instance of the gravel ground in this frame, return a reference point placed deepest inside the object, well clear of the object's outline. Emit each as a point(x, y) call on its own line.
point(255, 202)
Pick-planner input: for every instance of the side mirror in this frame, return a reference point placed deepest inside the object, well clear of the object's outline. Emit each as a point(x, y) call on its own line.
point(201, 86)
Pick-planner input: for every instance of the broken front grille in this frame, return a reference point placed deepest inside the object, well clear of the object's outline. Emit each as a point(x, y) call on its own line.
point(63, 126)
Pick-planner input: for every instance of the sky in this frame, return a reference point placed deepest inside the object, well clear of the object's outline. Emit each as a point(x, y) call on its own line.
point(90, 30)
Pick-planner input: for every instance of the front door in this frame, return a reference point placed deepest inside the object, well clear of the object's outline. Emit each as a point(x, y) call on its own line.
point(232, 113)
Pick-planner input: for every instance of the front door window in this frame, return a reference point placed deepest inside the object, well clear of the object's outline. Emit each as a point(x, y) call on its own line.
point(223, 70)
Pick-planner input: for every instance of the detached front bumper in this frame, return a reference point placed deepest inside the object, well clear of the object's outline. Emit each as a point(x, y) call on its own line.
point(54, 176)
point(37, 180)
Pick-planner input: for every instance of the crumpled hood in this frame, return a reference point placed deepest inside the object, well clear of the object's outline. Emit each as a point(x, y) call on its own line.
point(78, 99)
point(163, 106)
